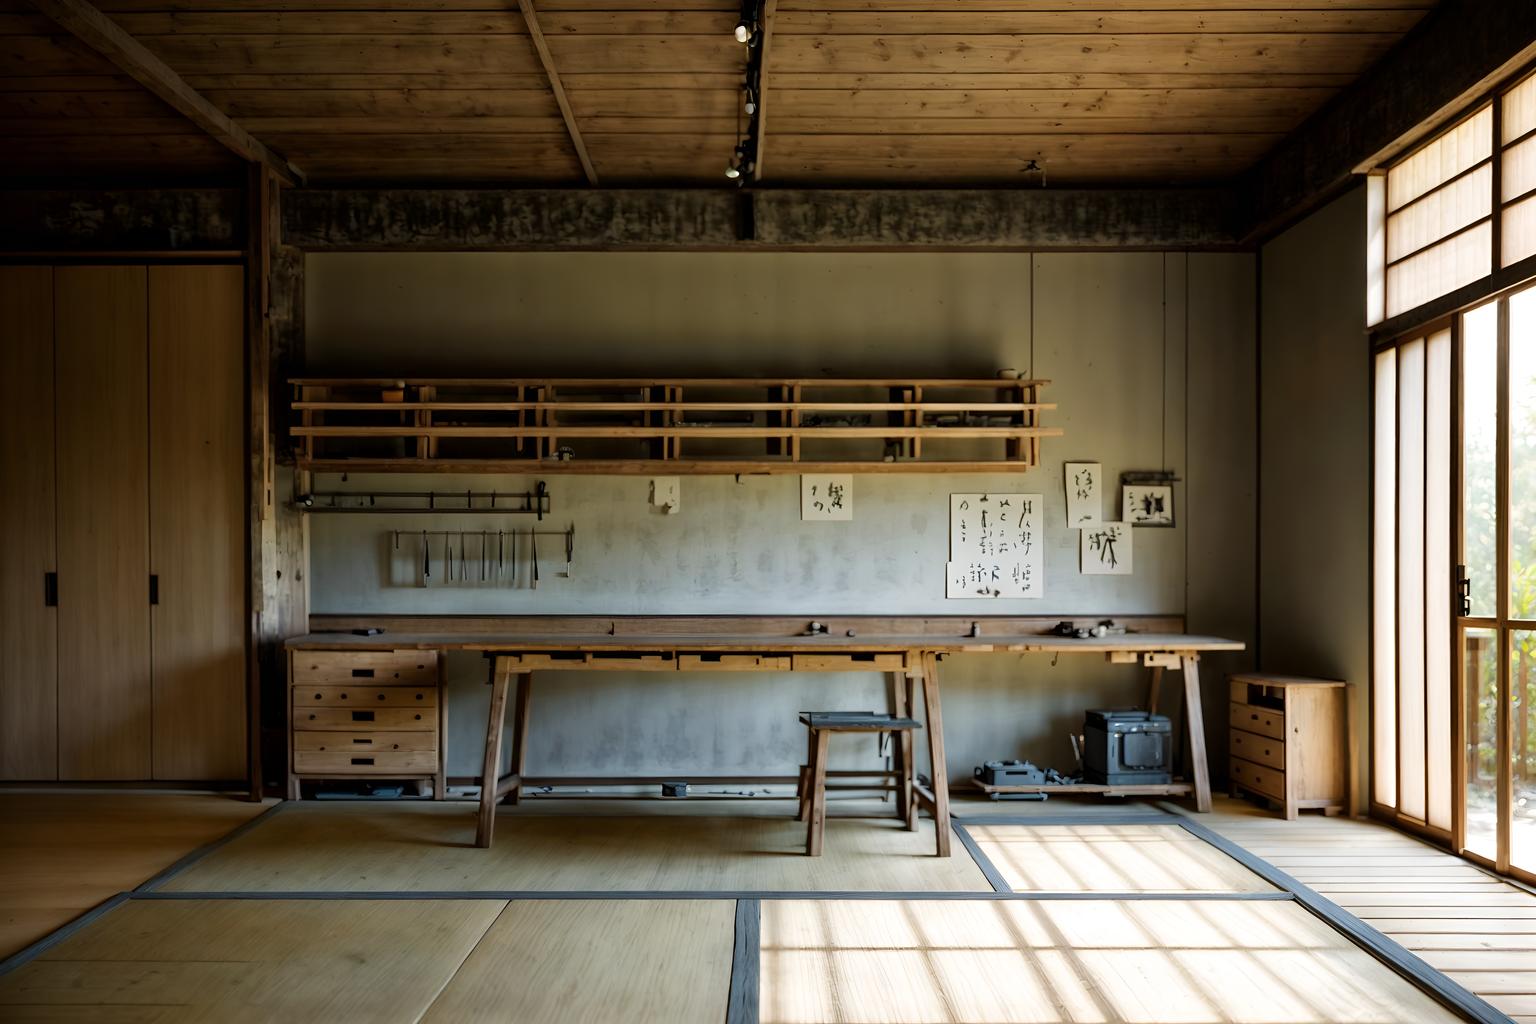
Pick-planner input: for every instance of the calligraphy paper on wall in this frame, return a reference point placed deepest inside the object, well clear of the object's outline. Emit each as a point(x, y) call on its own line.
point(1085, 502)
point(824, 497)
point(1147, 505)
point(995, 546)
point(1106, 550)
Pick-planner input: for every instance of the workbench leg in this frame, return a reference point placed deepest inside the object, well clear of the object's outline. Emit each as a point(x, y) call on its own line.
point(908, 753)
point(818, 787)
point(520, 734)
point(1157, 683)
point(936, 760)
point(901, 743)
point(440, 781)
point(501, 679)
point(1196, 729)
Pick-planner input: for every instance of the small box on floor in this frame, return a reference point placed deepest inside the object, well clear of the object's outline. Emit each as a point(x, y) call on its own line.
point(1127, 748)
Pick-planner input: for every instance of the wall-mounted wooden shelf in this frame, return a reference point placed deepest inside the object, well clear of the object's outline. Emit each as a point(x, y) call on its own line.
point(668, 426)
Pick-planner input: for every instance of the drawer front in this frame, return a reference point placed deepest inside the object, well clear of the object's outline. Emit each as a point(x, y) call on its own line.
point(364, 696)
point(733, 662)
point(365, 719)
point(379, 762)
point(858, 662)
point(383, 668)
point(1250, 746)
point(363, 742)
point(1264, 721)
point(592, 661)
point(1257, 778)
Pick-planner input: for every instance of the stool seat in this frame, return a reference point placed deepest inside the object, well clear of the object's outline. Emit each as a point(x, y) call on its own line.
point(813, 775)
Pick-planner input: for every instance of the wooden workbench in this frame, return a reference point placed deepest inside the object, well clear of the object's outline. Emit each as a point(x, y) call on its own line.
point(907, 648)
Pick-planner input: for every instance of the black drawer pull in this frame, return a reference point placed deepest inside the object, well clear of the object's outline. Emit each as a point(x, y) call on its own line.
point(362, 673)
point(419, 696)
point(362, 716)
point(362, 739)
point(362, 760)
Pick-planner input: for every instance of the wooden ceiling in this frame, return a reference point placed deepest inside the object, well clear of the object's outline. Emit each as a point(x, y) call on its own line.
point(858, 92)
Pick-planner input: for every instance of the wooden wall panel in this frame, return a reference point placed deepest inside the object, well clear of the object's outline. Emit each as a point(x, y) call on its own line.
point(197, 520)
point(28, 639)
point(103, 523)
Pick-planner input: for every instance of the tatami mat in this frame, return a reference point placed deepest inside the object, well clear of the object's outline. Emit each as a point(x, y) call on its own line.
point(642, 961)
point(236, 960)
point(426, 847)
point(1111, 858)
point(1158, 961)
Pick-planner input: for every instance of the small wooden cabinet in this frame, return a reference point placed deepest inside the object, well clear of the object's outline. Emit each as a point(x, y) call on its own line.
point(367, 714)
point(1289, 741)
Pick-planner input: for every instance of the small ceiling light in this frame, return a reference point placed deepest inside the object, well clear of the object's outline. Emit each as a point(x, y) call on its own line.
point(743, 32)
point(746, 25)
point(751, 106)
point(732, 171)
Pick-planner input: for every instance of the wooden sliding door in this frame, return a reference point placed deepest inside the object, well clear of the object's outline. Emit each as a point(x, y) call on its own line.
point(28, 622)
point(101, 391)
point(197, 521)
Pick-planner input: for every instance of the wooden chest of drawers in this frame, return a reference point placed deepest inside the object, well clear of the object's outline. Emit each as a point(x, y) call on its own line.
point(1289, 741)
point(370, 714)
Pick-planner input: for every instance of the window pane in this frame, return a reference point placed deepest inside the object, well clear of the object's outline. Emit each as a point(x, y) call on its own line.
point(1520, 109)
point(1519, 236)
point(1469, 143)
point(1479, 432)
point(1522, 455)
point(1410, 578)
point(1522, 687)
point(1518, 174)
point(1437, 581)
point(1480, 676)
point(1384, 585)
point(1435, 216)
point(1446, 267)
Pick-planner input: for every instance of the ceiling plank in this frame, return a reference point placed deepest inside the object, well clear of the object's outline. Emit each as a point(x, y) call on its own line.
point(99, 32)
point(531, 17)
point(769, 9)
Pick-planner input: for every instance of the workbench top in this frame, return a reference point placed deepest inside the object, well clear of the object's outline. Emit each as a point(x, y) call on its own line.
point(789, 644)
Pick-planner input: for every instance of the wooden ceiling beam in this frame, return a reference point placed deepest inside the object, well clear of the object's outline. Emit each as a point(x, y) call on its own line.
point(468, 220)
point(1460, 50)
point(531, 20)
point(102, 34)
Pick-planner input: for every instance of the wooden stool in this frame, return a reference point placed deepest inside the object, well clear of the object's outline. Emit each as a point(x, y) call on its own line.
point(813, 774)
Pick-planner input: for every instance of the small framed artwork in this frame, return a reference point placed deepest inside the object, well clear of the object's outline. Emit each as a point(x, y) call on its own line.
point(1106, 550)
point(1084, 506)
point(1146, 504)
point(824, 498)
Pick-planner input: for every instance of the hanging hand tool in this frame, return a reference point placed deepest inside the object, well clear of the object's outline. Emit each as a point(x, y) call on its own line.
point(463, 562)
point(484, 554)
point(501, 555)
point(533, 536)
point(448, 547)
point(570, 549)
point(426, 559)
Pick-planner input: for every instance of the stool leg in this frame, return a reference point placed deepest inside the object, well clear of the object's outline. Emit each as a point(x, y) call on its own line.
point(818, 787)
point(909, 768)
point(803, 791)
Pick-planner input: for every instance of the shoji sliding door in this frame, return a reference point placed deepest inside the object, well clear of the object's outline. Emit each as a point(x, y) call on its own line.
point(1411, 582)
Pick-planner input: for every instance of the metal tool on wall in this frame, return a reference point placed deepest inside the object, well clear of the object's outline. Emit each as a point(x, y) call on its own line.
point(517, 503)
point(496, 553)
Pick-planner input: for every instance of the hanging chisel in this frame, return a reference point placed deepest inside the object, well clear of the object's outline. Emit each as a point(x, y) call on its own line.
point(501, 555)
point(570, 548)
point(533, 536)
point(484, 554)
point(426, 559)
point(448, 547)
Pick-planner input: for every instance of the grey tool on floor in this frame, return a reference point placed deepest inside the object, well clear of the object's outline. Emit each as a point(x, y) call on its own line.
point(533, 536)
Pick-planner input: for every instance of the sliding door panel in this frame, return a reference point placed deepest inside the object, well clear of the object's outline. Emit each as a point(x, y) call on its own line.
point(1480, 683)
point(1410, 579)
point(1437, 581)
point(28, 638)
point(1384, 585)
point(197, 517)
point(103, 523)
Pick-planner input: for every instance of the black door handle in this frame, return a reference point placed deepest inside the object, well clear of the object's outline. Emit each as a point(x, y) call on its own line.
point(51, 589)
point(154, 590)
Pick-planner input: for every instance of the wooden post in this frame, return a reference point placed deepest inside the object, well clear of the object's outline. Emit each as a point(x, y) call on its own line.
point(501, 679)
point(440, 782)
point(804, 813)
point(938, 765)
point(1196, 730)
point(901, 746)
point(818, 815)
point(1156, 684)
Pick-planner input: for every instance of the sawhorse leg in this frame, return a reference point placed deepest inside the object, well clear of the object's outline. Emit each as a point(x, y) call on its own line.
point(936, 760)
point(519, 737)
point(501, 680)
point(901, 749)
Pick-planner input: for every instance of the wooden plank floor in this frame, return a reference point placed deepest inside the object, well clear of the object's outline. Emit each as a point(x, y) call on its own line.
point(1080, 960)
point(1478, 929)
point(424, 847)
point(1111, 858)
point(62, 853)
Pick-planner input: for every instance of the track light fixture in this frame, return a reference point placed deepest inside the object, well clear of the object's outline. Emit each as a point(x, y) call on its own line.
point(747, 25)
point(743, 161)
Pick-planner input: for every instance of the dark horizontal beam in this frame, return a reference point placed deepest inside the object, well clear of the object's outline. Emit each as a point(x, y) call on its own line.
point(1460, 49)
point(321, 220)
point(172, 221)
